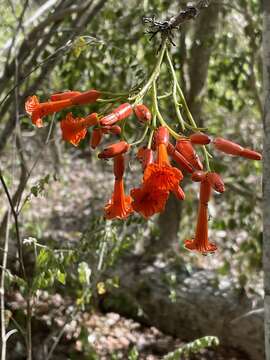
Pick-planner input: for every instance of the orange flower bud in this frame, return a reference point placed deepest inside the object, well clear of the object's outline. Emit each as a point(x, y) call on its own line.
point(115, 129)
point(185, 147)
point(123, 111)
point(91, 119)
point(108, 120)
point(96, 138)
point(227, 146)
point(161, 136)
point(86, 97)
point(64, 95)
point(198, 176)
point(250, 154)
point(200, 138)
point(118, 166)
point(216, 182)
point(142, 113)
point(179, 158)
point(114, 149)
point(148, 158)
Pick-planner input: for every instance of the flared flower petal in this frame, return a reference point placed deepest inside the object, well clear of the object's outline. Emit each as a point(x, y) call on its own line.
point(162, 177)
point(38, 110)
point(73, 129)
point(119, 207)
point(201, 243)
point(147, 202)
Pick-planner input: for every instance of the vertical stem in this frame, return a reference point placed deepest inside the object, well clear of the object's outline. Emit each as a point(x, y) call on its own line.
point(29, 327)
point(2, 290)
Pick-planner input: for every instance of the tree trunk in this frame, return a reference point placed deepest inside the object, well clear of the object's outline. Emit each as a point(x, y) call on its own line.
point(266, 171)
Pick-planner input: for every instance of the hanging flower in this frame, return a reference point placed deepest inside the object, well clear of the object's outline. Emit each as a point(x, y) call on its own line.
point(75, 129)
point(147, 202)
point(86, 97)
point(64, 95)
point(119, 206)
point(96, 137)
point(200, 242)
point(38, 110)
point(161, 175)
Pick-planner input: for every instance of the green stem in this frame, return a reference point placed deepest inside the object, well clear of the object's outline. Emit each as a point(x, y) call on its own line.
point(138, 97)
point(182, 97)
point(159, 116)
point(206, 158)
point(140, 140)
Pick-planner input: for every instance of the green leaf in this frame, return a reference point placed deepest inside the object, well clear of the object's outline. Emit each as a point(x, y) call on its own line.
point(61, 277)
point(43, 257)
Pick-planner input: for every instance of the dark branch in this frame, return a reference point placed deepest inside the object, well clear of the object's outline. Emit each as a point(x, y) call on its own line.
point(165, 28)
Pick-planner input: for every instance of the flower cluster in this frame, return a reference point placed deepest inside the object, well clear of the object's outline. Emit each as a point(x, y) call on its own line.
point(164, 161)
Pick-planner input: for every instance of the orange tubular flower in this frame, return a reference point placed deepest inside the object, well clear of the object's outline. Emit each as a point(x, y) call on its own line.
point(119, 206)
point(142, 113)
point(250, 154)
point(185, 148)
point(200, 243)
point(148, 203)
point(115, 149)
point(86, 97)
point(161, 175)
point(200, 138)
point(227, 146)
point(75, 129)
point(64, 95)
point(37, 110)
